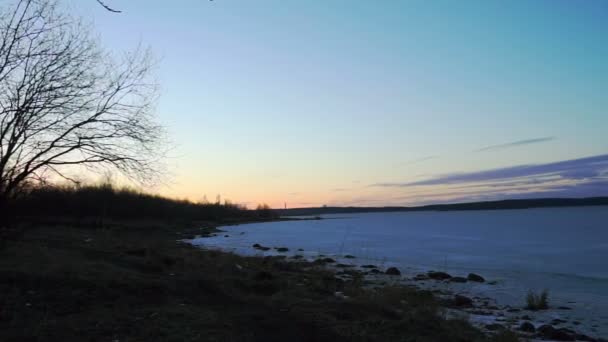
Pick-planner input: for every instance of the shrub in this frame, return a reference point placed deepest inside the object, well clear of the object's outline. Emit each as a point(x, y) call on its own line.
point(537, 301)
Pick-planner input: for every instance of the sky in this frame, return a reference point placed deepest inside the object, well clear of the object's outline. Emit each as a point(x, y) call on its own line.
point(307, 103)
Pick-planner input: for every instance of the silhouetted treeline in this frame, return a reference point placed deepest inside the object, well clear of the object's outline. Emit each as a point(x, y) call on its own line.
point(491, 205)
point(107, 201)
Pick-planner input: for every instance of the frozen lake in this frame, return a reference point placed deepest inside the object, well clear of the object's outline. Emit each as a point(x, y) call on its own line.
point(562, 249)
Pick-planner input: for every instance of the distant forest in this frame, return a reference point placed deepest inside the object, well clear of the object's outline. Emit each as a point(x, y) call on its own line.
point(491, 205)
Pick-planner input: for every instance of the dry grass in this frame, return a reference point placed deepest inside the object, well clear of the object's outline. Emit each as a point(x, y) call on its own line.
point(136, 283)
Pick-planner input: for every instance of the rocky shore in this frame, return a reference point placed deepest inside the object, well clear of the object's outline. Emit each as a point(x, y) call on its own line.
point(456, 296)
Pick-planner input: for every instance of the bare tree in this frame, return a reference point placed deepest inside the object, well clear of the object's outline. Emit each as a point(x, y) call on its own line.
point(65, 102)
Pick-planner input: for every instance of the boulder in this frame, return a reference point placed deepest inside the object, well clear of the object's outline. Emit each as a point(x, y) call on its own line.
point(547, 331)
point(421, 276)
point(475, 277)
point(458, 280)
point(462, 301)
point(328, 260)
point(393, 271)
point(369, 266)
point(527, 327)
point(438, 275)
point(282, 249)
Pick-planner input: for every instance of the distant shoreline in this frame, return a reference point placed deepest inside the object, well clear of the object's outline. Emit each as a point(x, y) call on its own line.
point(489, 205)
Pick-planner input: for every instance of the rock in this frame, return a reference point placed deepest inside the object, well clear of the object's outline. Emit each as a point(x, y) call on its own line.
point(438, 275)
point(282, 249)
point(348, 256)
point(260, 247)
point(462, 301)
point(475, 277)
point(458, 280)
point(549, 332)
point(582, 337)
point(226, 235)
point(564, 334)
point(300, 249)
point(527, 327)
point(564, 308)
point(369, 266)
point(344, 265)
point(375, 271)
point(297, 257)
point(421, 276)
point(393, 271)
point(558, 321)
point(328, 260)
point(493, 282)
point(494, 327)
point(526, 318)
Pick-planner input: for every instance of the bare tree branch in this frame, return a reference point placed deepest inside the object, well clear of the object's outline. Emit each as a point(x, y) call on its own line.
point(107, 7)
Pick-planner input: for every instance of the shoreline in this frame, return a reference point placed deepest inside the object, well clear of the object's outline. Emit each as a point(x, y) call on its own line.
point(132, 281)
point(459, 298)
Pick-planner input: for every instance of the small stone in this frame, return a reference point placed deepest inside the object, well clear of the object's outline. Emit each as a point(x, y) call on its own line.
point(438, 275)
point(420, 277)
point(475, 277)
point(393, 271)
point(527, 327)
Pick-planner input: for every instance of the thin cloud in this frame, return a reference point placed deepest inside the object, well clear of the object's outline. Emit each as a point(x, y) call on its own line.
point(574, 169)
point(515, 144)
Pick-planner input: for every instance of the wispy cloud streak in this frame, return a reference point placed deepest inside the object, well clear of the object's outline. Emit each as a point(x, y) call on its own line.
point(515, 144)
point(590, 167)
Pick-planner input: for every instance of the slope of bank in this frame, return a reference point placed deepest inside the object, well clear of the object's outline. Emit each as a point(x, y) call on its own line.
point(137, 282)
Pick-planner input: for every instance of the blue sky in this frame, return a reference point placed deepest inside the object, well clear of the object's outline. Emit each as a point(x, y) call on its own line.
point(319, 102)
